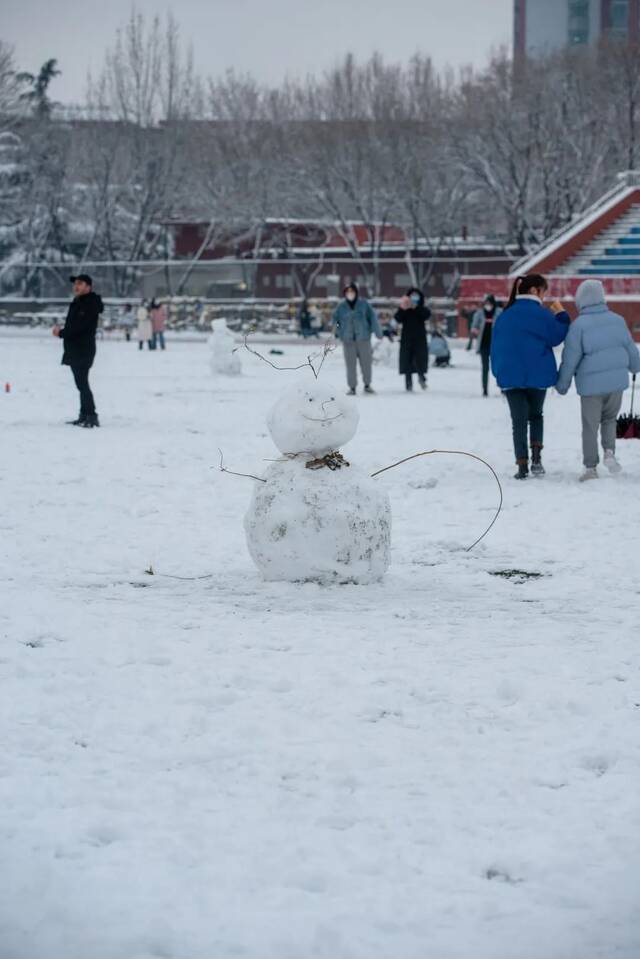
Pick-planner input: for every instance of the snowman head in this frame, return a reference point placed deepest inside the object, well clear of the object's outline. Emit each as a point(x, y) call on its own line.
point(219, 326)
point(312, 418)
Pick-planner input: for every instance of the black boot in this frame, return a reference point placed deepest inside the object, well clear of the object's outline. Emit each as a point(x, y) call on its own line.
point(79, 422)
point(91, 421)
point(537, 469)
point(523, 471)
point(423, 382)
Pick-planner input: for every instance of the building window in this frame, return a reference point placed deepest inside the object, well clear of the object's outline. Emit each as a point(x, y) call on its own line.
point(266, 281)
point(284, 282)
point(579, 16)
point(402, 280)
point(617, 18)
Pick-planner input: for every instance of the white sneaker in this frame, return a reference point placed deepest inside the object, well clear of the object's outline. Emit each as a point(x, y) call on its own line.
point(611, 462)
point(590, 473)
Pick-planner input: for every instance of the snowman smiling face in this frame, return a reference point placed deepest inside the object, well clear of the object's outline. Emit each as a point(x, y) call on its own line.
point(312, 418)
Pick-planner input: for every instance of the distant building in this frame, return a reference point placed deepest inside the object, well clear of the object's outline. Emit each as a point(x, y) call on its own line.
point(541, 26)
point(283, 258)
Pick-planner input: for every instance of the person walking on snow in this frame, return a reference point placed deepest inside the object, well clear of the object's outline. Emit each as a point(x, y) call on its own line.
point(354, 321)
point(127, 321)
point(158, 323)
point(482, 332)
point(414, 350)
point(599, 351)
point(79, 339)
point(145, 328)
point(523, 363)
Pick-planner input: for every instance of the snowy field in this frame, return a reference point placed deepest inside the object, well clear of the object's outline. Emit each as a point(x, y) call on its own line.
point(199, 765)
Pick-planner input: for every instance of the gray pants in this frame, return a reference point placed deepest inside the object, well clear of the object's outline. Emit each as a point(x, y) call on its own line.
point(599, 411)
point(355, 350)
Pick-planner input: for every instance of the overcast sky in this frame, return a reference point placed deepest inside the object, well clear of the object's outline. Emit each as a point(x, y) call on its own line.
point(270, 38)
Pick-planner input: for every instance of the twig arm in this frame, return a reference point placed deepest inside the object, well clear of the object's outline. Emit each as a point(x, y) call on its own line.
point(223, 469)
point(454, 453)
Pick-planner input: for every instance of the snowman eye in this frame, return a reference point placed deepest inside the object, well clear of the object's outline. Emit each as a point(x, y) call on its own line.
point(311, 399)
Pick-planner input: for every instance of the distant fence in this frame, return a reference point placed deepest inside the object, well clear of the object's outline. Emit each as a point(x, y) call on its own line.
point(194, 314)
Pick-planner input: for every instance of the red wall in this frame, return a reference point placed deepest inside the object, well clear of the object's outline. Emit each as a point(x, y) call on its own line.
point(474, 288)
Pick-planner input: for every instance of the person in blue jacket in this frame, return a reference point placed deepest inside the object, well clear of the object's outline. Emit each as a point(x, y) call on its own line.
point(354, 321)
point(523, 363)
point(600, 353)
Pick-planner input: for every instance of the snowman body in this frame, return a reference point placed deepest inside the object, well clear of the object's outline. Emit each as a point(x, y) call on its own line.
point(224, 358)
point(387, 353)
point(316, 518)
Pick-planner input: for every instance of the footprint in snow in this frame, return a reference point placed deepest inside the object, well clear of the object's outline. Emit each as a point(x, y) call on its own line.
point(598, 765)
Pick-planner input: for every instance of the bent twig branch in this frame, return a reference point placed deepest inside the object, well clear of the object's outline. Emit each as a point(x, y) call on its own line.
point(223, 469)
point(328, 347)
point(454, 453)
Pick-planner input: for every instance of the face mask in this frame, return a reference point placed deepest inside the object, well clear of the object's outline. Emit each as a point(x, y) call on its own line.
point(415, 298)
point(488, 309)
point(351, 297)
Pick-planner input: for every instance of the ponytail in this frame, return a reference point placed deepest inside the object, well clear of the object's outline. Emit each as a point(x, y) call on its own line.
point(514, 291)
point(524, 284)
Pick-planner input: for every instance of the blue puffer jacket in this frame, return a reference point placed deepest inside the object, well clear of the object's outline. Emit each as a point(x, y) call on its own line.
point(355, 322)
point(522, 346)
point(599, 352)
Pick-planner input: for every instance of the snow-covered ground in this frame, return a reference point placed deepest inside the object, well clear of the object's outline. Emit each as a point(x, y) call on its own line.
point(199, 765)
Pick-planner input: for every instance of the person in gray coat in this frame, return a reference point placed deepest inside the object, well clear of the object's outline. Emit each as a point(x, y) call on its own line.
point(354, 321)
point(599, 351)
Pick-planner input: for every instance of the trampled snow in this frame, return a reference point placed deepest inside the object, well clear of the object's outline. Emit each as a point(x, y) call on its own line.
point(197, 764)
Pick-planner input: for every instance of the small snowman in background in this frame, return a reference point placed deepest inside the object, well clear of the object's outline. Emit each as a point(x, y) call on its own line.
point(224, 358)
point(314, 517)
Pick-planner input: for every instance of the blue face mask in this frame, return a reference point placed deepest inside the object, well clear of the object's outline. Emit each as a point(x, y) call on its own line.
point(415, 298)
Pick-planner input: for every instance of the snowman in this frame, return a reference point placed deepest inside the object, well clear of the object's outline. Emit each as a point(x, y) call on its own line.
point(224, 358)
point(315, 517)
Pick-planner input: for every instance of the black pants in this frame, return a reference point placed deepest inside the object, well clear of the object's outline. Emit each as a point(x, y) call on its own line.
point(526, 407)
point(485, 356)
point(81, 376)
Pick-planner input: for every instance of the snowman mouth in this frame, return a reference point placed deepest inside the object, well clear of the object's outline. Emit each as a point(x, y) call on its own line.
point(323, 419)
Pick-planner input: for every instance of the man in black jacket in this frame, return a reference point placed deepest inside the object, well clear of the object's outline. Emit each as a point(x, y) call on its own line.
point(79, 337)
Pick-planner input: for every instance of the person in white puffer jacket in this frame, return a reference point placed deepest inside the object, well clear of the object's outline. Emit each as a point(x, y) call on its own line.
point(599, 351)
point(145, 327)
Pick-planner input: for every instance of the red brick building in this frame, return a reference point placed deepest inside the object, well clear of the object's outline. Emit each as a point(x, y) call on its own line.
point(281, 259)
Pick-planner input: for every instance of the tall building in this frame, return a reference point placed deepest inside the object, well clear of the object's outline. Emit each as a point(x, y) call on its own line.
point(541, 26)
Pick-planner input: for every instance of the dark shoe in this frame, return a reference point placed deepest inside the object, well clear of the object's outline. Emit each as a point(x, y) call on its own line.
point(423, 383)
point(351, 392)
point(537, 469)
point(409, 388)
point(79, 422)
point(523, 471)
point(369, 389)
point(91, 421)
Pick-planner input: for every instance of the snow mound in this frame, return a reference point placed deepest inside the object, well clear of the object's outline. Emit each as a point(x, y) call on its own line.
point(324, 526)
point(224, 357)
point(387, 353)
point(312, 418)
